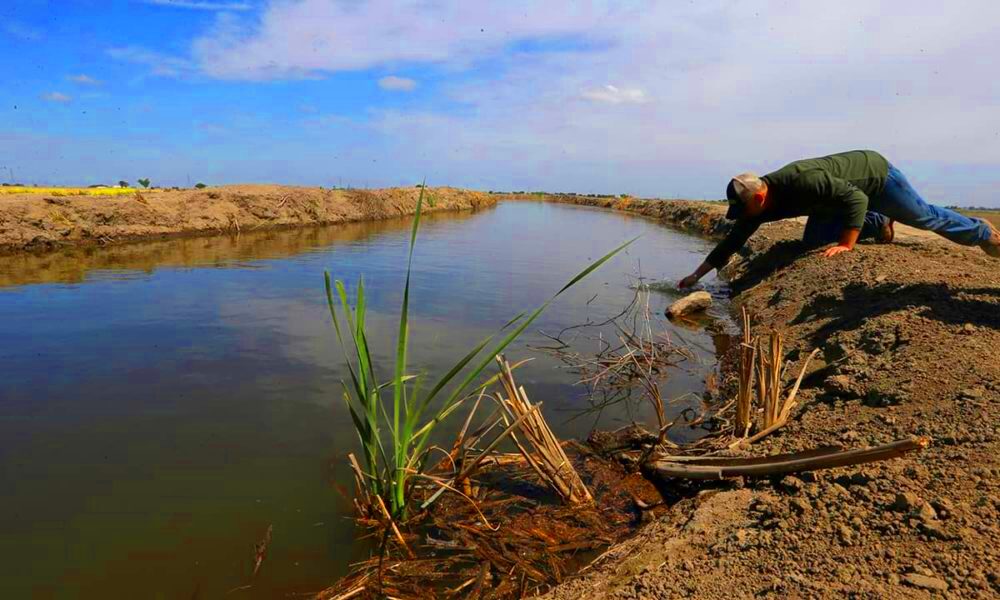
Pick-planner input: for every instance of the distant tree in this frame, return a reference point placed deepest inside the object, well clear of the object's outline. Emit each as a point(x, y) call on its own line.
point(200, 185)
point(144, 182)
point(123, 184)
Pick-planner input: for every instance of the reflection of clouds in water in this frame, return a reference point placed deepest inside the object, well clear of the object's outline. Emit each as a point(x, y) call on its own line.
point(302, 333)
point(216, 365)
point(470, 277)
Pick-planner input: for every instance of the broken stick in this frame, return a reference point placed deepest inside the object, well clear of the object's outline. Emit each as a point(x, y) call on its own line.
point(780, 464)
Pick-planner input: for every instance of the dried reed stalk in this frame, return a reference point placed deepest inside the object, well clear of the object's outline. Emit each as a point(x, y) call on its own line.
point(260, 550)
point(546, 455)
point(392, 525)
point(363, 503)
point(744, 397)
point(762, 366)
point(769, 368)
point(766, 466)
point(615, 372)
point(786, 409)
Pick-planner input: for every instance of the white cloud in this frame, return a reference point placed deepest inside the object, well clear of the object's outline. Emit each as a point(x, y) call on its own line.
point(57, 97)
point(718, 105)
point(397, 84)
point(711, 88)
point(83, 79)
point(296, 38)
point(161, 65)
point(610, 94)
point(197, 5)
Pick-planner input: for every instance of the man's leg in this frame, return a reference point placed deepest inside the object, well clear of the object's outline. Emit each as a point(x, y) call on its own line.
point(901, 202)
point(821, 231)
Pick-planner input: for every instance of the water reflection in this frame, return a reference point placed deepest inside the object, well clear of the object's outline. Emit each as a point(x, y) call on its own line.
point(161, 404)
point(135, 260)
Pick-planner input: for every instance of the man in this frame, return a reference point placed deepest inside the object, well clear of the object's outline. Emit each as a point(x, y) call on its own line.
point(848, 196)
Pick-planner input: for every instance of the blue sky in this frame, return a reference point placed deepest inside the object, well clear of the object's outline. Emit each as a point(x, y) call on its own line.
point(649, 98)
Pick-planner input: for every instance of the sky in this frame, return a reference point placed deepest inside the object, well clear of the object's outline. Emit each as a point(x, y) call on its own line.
point(656, 99)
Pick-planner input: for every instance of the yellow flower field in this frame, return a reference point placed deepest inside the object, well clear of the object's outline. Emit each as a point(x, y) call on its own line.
point(68, 191)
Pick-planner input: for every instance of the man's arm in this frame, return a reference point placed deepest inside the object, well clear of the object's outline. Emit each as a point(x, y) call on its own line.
point(718, 258)
point(702, 270)
point(853, 204)
point(847, 240)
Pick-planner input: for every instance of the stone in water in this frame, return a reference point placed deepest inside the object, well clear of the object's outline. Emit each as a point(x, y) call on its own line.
point(689, 304)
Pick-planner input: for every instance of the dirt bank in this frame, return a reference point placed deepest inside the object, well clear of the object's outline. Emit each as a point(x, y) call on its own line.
point(37, 222)
point(76, 263)
point(909, 334)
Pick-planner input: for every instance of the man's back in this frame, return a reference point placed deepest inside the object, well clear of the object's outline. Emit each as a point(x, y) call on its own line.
point(867, 170)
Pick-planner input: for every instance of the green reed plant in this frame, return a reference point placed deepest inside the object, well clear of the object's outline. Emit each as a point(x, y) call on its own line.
point(394, 434)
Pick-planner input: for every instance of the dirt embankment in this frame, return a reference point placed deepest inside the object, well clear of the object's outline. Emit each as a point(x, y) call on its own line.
point(910, 333)
point(38, 222)
point(697, 217)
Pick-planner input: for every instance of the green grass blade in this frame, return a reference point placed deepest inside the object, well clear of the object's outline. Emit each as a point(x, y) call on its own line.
point(402, 338)
point(516, 318)
point(361, 342)
point(360, 351)
point(455, 370)
point(362, 339)
point(345, 304)
point(360, 426)
point(401, 444)
point(362, 378)
point(389, 383)
point(359, 389)
point(455, 397)
point(595, 265)
point(517, 331)
point(336, 320)
point(388, 473)
point(440, 416)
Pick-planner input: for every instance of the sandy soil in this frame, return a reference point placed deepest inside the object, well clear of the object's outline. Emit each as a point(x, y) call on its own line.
point(909, 333)
point(39, 223)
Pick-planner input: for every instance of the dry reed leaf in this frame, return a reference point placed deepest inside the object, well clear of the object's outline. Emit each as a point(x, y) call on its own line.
point(546, 456)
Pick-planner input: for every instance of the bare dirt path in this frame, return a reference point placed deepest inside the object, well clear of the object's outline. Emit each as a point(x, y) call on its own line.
point(37, 222)
point(910, 334)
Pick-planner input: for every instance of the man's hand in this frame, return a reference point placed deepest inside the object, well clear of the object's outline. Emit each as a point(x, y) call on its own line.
point(702, 270)
point(836, 250)
point(847, 240)
point(688, 281)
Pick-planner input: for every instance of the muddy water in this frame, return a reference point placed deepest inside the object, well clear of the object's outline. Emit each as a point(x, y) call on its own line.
point(162, 404)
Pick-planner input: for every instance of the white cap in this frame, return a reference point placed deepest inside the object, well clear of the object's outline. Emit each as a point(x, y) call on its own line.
point(747, 184)
point(740, 191)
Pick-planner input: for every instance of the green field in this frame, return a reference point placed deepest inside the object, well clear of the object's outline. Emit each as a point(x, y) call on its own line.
point(993, 216)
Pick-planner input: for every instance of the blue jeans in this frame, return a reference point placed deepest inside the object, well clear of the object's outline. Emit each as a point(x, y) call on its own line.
point(899, 201)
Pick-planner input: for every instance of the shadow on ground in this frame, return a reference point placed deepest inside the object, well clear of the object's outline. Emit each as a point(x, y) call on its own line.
point(765, 264)
point(857, 303)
